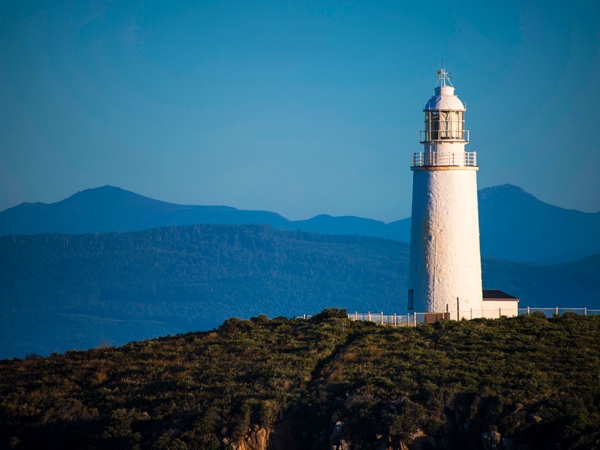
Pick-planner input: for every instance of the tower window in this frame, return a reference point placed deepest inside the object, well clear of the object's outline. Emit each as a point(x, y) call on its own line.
point(411, 295)
point(440, 125)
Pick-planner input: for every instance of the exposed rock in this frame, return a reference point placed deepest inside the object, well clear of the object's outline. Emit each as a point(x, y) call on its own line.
point(491, 440)
point(256, 439)
point(341, 445)
point(518, 407)
point(421, 441)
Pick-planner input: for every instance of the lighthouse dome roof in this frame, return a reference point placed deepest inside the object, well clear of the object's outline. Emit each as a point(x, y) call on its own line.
point(444, 100)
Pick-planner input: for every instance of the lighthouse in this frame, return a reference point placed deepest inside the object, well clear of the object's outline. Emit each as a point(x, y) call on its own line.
point(445, 261)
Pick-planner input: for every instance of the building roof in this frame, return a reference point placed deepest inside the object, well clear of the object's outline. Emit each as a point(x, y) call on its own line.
point(496, 294)
point(444, 100)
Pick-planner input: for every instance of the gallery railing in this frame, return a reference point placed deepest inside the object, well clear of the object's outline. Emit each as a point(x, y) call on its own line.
point(435, 159)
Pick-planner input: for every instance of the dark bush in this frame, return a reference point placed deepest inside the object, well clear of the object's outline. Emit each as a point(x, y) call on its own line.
point(329, 313)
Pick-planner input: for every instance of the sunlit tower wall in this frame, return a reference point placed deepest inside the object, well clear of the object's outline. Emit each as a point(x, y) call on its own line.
point(445, 259)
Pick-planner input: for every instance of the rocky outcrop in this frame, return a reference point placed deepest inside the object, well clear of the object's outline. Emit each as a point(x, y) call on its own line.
point(417, 441)
point(281, 436)
point(491, 440)
point(421, 441)
point(278, 437)
point(256, 439)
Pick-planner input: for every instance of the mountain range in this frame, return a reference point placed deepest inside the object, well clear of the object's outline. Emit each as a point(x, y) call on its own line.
point(514, 225)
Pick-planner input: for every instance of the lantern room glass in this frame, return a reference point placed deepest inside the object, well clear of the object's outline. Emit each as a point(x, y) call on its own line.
point(444, 125)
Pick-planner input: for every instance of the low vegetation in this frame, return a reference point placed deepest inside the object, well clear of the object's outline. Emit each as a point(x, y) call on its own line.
point(527, 382)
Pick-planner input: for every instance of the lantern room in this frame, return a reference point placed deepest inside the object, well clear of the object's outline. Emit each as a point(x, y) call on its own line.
point(444, 114)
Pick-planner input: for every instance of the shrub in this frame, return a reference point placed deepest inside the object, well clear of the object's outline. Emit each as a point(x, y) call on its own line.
point(329, 313)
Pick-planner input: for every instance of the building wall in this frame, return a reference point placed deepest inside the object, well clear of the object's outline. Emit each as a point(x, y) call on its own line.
point(493, 309)
point(445, 260)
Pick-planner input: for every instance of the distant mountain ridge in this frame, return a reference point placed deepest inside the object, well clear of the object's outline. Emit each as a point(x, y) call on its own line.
point(514, 225)
point(112, 209)
point(517, 226)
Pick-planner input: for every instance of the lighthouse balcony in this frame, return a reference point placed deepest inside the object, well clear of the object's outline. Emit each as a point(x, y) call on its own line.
point(434, 159)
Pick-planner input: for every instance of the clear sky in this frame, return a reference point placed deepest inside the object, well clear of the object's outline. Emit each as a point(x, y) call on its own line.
point(300, 108)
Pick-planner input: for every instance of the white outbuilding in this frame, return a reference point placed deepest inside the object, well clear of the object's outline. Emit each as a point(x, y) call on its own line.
point(497, 303)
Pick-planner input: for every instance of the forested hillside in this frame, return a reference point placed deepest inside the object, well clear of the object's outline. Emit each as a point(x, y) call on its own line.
point(61, 292)
point(521, 384)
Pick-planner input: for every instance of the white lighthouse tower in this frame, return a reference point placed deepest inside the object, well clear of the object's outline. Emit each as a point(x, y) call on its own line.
point(445, 261)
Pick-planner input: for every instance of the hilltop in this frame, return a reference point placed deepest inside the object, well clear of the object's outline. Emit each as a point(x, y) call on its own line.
point(520, 383)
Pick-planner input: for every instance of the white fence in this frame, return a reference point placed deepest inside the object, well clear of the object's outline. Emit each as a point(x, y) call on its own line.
point(412, 319)
point(549, 312)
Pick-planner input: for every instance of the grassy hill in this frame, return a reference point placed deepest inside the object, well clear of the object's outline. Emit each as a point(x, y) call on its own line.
point(521, 383)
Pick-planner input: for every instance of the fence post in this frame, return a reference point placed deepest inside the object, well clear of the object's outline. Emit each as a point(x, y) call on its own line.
point(369, 316)
point(415, 318)
point(381, 317)
point(528, 310)
point(471, 313)
point(556, 311)
point(395, 319)
point(585, 310)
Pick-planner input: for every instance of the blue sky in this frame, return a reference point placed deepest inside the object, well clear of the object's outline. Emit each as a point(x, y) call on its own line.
point(300, 108)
